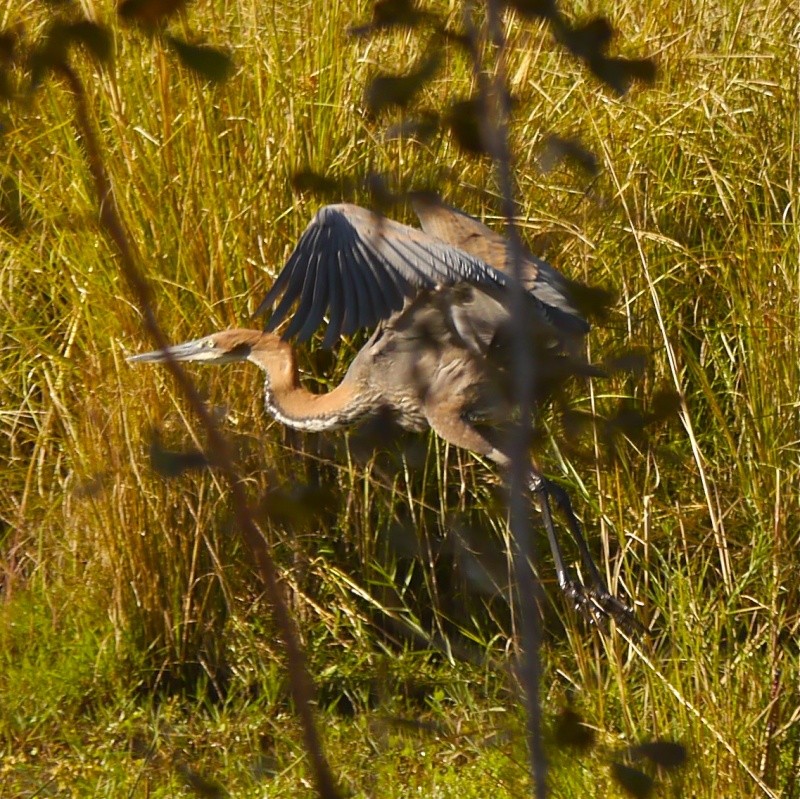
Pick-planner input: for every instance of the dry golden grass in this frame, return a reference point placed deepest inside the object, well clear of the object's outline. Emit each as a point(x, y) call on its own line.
point(116, 579)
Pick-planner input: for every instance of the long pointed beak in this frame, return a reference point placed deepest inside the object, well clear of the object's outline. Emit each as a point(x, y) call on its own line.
point(201, 349)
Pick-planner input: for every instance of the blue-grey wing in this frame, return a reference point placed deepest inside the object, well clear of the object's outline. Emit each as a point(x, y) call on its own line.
point(356, 268)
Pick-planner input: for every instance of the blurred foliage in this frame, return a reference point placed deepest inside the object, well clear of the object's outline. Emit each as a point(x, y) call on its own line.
point(140, 581)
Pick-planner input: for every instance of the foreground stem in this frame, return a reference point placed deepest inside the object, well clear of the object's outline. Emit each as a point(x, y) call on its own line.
point(111, 222)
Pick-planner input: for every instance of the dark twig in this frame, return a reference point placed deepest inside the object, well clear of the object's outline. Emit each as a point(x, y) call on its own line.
point(495, 97)
point(111, 222)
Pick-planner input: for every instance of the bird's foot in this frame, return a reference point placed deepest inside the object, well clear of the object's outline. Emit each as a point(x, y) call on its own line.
point(598, 605)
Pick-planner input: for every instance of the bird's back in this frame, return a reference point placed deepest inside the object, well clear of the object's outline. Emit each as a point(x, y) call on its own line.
point(455, 344)
point(470, 235)
point(446, 343)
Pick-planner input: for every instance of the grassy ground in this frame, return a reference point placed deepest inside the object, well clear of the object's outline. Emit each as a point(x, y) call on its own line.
point(137, 655)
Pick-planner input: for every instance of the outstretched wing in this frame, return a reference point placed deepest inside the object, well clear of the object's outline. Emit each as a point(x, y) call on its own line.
point(468, 234)
point(357, 267)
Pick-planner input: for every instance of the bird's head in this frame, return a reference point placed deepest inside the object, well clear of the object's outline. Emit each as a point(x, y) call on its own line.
point(264, 349)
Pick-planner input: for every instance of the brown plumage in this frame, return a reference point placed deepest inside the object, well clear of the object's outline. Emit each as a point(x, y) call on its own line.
point(439, 356)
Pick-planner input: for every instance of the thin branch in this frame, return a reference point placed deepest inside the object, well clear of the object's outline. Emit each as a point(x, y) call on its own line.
point(111, 221)
point(495, 97)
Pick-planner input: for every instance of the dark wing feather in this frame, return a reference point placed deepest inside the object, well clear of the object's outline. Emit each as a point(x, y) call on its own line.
point(379, 287)
point(349, 319)
point(295, 271)
point(364, 315)
point(336, 303)
point(303, 322)
point(393, 287)
point(313, 284)
point(357, 267)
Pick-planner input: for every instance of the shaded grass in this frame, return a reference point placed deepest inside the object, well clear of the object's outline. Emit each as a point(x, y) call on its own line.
point(116, 581)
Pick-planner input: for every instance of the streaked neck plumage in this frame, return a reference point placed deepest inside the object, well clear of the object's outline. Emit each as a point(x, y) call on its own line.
point(291, 404)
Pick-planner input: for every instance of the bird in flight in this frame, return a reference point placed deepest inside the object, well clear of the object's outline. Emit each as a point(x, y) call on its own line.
point(439, 300)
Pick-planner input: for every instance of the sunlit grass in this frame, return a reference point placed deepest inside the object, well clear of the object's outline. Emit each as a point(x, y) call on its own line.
point(116, 580)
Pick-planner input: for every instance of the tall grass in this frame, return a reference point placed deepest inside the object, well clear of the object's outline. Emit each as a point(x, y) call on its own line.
point(120, 580)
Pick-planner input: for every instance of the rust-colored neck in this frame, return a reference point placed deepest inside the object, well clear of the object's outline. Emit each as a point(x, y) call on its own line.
point(291, 404)
point(313, 413)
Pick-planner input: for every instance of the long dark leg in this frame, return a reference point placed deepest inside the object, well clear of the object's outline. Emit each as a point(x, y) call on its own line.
point(599, 594)
point(445, 417)
point(538, 486)
point(573, 588)
point(564, 504)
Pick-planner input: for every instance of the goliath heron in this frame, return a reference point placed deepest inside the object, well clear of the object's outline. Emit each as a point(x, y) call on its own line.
point(439, 357)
